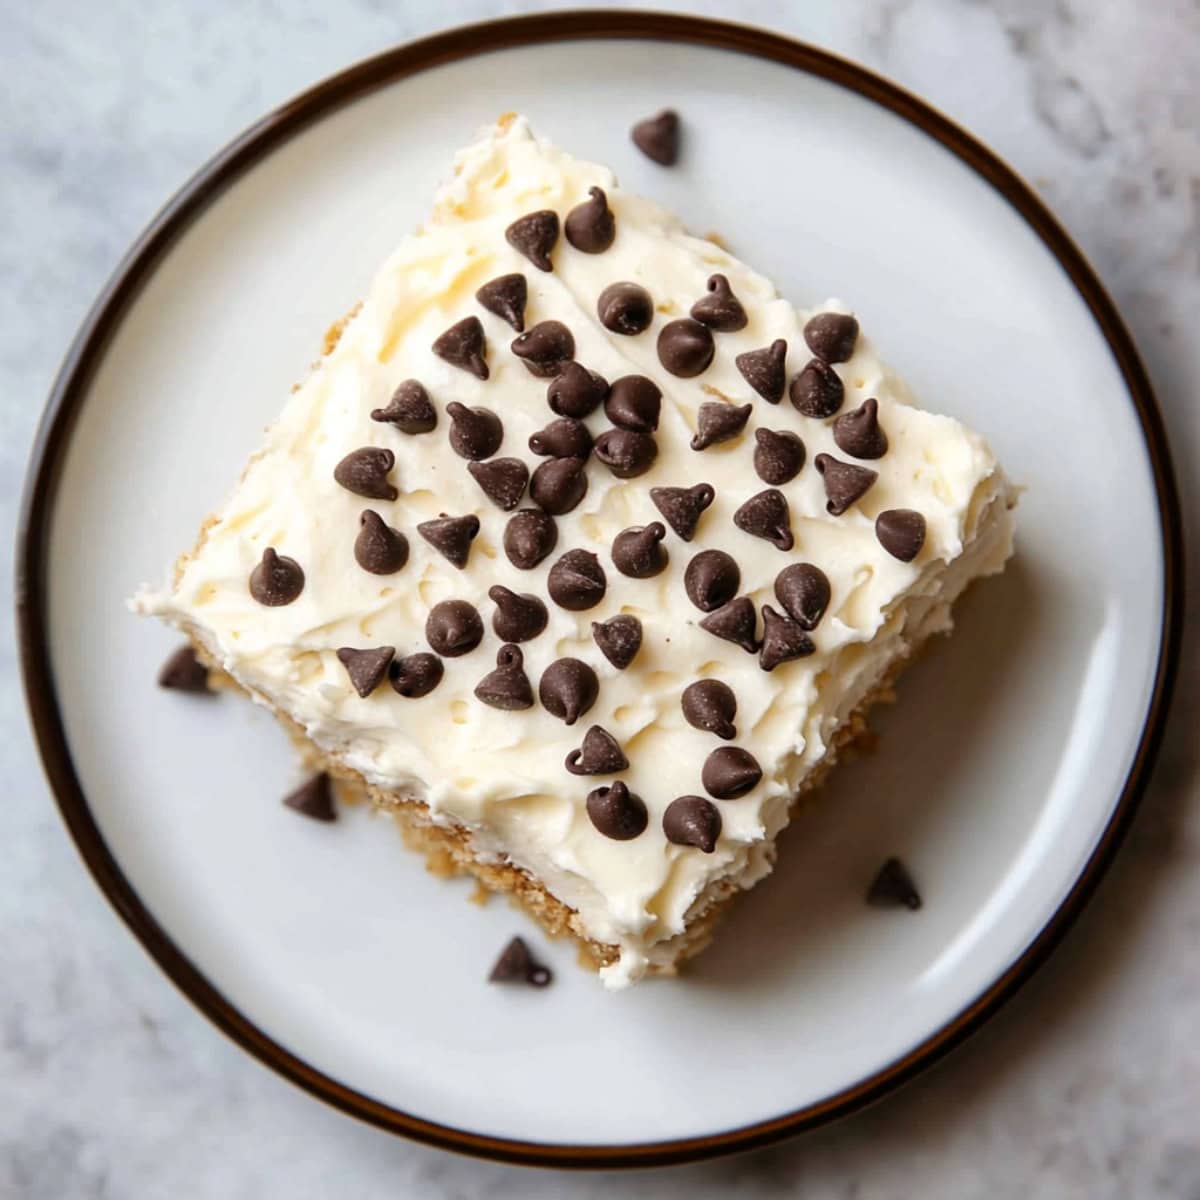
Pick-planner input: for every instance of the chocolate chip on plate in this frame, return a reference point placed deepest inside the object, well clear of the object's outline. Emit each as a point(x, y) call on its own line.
point(625, 453)
point(893, 887)
point(616, 812)
point(638, 551)
point(682, 507)
point(568, 688)
point(517, 965)
point(559, 484)
point(685, 347)
point(416, 675)
point(463, 345)
point(545, 349)
point(779, 455)
point(313, 799)
point(507, 687)
point(529, 536)
point(766, 515)
point(625, 308)
point(901, 532)
point(711, 579)
point(657, 137)
point(783, 640)
point(451, 537)
point(831, 336)
point(735, 622)
point(276, 580)
point(692, 821)
point(730, 772)
point(184, 672)
point(634, 402)
point(409, 409)
point(453, 628)
point(845, 483)
point(566, 437)
point(518, 616)
point(506, 297)
point(719, 422)
point(366, 668)
point(475, 433)
point(534, 236)
point(858, 432)
point(575, 391)
point(710, 705)
point(576, 581)
point(764, 370)
point(817, 391)
point(803, 591)
point(719, 308)
point(619, 639)
point(601, 754)
point(503, 480)
point(590, 226)
point(365, 473)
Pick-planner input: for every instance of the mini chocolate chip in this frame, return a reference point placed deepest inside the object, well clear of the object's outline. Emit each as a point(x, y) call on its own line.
point(858, 432)
point(817, 391)
point(766, 515)
point(590, 226)
point(503, 480)
point(518, 616)
point(779, 455)
point(831, 336)
point(844, 482)
point(364, 472)
point(506, 297)
point(568, 688)
point(559, 484)
point(577, 581)
point(730, 772)
point(782, 640)
point(507, 687)
point(416, 675)
point(693, 821)
point(529, 536)
point(184, 672)
point(565, 438)
point(379, 548)
point(719, 422)
point(625, 453)
point(366, 668)
point(619, 639)
point(657, 137)
point(475, 433)
point(517, 965)
point(901, 532)
point(893, 887)
point(409, 409)
point(719, 308)
point(710, 705)
point(764, 370)
point(803, 590)
point(453, 628)
point(735, 622)
point(313, 798)
point(634, 402)
point(575, 391)
point(534, 235)
point(638, 551)
point(601, 754)
point(451, 537)
point(625, 308)
point(277, 580)
point(685, 347)
point(463, 345)
point(545, 348)
point(617, 812)
point(711, 579)
point(682, 507)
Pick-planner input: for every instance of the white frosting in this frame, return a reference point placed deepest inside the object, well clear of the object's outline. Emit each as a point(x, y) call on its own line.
point(501, 773)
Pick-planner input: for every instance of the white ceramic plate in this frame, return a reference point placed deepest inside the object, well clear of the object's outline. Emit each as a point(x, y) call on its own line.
point(1003, 776)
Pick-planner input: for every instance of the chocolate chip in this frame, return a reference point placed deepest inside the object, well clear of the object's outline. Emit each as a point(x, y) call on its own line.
point(366, 668)
point(601, 754)
point(564, 438)
point(517, 965)
point(625, 308)
point(817, 391)
point(858, 432)
point(803, 590)
point(782, 640)
point(735, 622)
point(638, 551)
point(710, 705)
point(693, 821)
point(719, 422)
point(568, 688)
point(313, 798)
point(657, 137)
point(844, 482)
point(545, 349)
point(277, 580)
point(764, 370)
point(625, 453)
point(619, 639)
point(590, 226)
point(453, 628)
point(529, 536)
point(534, 235)
point(559, 484)
point(518, 616)
point(503, 480)
point(685, 347)
point(831, 336)
point(893, 887)
point(416, 675)
point(766, 516)
point(682, 507)
point(507, 687)
point(463, 345)
point(379, 548)
point(184, 672)
point(575, 391)
point(634, 402)
point(617, 812)
point(779, 455)
point(409, 409)
point(730, 772)
point(901, 532)
point(711, 579)
point(451, 537)
point(506, 297)
point(364, 472)
point(720, 309)
point(577, 581)
point(475, 433)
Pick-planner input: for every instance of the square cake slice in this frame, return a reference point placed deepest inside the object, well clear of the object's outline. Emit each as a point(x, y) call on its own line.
point(585, 551)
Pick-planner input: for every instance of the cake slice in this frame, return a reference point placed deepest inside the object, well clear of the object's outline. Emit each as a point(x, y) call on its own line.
point(585, 551)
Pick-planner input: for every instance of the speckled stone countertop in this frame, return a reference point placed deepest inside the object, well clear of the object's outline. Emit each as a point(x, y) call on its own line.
point(111, 1085)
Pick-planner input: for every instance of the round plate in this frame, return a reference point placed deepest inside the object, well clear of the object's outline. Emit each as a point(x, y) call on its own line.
point(1004, 777)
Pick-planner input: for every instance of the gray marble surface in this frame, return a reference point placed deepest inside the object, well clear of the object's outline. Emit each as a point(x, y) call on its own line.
point(1087, 1086)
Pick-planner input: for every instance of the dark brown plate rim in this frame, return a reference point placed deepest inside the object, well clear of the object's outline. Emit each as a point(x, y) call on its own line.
point(70, 390)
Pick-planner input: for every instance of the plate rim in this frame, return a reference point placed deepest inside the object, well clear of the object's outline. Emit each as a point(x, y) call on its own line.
point(70, 389)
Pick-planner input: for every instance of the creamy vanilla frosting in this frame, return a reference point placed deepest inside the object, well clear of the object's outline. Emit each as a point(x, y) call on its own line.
point(501, 773)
